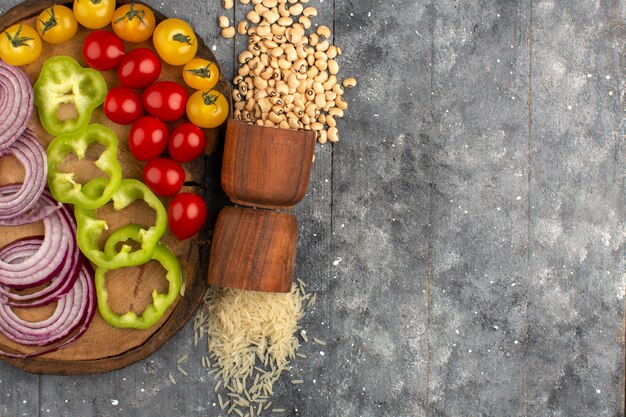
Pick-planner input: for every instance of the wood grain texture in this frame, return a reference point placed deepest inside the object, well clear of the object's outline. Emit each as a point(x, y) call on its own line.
point(266, 167)
point(253, 250)
point(129, 288)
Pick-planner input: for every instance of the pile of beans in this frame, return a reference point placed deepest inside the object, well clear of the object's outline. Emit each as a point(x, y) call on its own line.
point(288, 76)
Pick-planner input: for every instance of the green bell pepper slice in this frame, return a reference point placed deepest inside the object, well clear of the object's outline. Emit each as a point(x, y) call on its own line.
point(90, 228)
point(63, 81)
point(160, 302)
point(62, 184)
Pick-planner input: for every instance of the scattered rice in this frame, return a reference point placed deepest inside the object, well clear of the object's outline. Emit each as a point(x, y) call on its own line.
point(182, 371)
point(319, 342)
point(251, 338)
point(171, 377)
point(182, 359)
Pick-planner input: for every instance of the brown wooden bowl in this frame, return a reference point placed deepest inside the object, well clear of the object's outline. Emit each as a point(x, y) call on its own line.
point(265, 166)
point(104, 348)
point(254, 250)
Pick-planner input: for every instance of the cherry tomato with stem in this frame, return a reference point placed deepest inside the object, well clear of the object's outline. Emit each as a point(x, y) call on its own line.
point(122, 105)
point(94, 14)
point(57, 24)
point(186, 142)
point(133, 22)
point(139, 68)
point(207, 109)
point(165, 100)
point(103, 50)
point(186, 215)
point(164, 176)
point(147, 138)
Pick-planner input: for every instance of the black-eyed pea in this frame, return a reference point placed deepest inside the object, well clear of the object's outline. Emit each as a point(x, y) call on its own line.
point(321, 64)
point(237, 114)
point(306, 119)
point(323, 31)
point(260, 83)
point(276, 52)
point(329, 105)
point(322, 46)
point(330, 121)
point(317, 126)
point(341, 103)
point(257, 1)
point(228, 32)
point(321, 118)
point(338, 89)
point(228, 4)
point(284, 125)
point(283, 11)
point(297, 101)
point(320, 100)
point(263, 30)
point(270, 17)
point(313, 39)
point(223, 22)
point(292, 81)
point(296, 37)
point(245, 56)
point(253, 17)
point(242, 88)
point(237, 79)
point(271, 82)
point(269, 123)
point(333, 67)
point(289, 99)
point(322, 77)
point(258, 69)
point(275, 117)
point(270, 3)
point(279, 39)
point(278, 30)
point(282, 88)
point(309, 96)
point(301, 52)
point(249, 94)
point(265, 105)
point(306, 126)
point(292, 54)
point(310, 60)
point(322, 137)
point(296, 9)
point(256, 113)
point(330, 83)
point(320, 55)
point(332, 52)
point(310, 109)
point(318, 87)
point(285, 21)
point(242, 27)
point(349, 82)
point(336, 112)
point(240, 105)
point(312, 72)
point(292, 122)
point(333, 134)
point(250, 104)
point(309, 11)
point(305, 22)
point(243, 71)
point(330, 96)
point(265, 60)
point(245, 115)
point(284, 64)
point(260, 9)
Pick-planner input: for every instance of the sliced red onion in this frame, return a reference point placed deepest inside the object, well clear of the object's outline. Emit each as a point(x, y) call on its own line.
point(71, 318)
point(37, 213)
point(32, 156)
point(46, 261)
point(59, 284)
point(16, 105)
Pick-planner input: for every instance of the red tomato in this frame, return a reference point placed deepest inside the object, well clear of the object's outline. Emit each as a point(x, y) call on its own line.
point(165, 100)
point(164, 176)
point(186, 214)
point(186, 143)
point(122, 105)
point(139, 68)
point(148, 138)
point(103, 50)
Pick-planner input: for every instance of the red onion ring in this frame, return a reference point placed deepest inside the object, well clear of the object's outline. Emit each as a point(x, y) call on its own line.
point(16, 105)
point(32, 156)
point(38, 212)
point(60, 236)
point(78, 307)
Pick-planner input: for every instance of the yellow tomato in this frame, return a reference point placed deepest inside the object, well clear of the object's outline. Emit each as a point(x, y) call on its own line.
point(201, 74)
point(207, 109)
point(57, 24)
point(94, 14)
point(175, 41)
point(20, 45)
point(133, 22)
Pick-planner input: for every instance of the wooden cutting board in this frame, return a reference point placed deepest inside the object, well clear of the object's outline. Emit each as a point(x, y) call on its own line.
point(104, 348)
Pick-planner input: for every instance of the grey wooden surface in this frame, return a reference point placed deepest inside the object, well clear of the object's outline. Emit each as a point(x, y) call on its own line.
point(465, 236)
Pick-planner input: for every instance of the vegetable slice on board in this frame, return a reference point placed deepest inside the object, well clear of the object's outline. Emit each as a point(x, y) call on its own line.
point(16, 103)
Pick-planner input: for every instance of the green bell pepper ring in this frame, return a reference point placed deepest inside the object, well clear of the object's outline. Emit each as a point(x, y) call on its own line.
point(160, 302)
point(63, 81)
point(62, 184)
point(90, 228)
